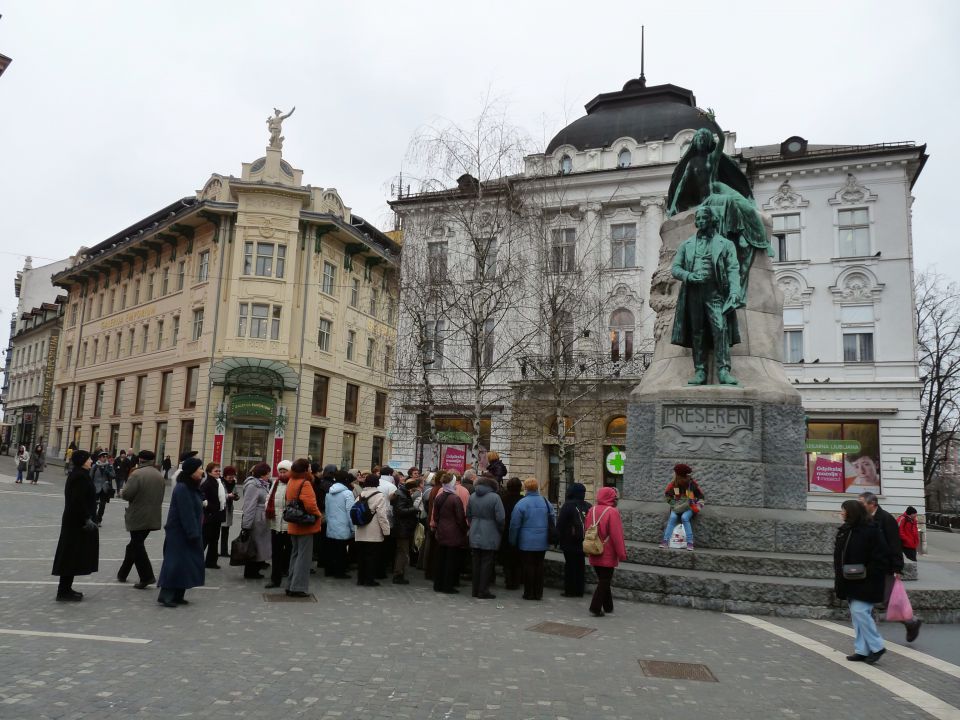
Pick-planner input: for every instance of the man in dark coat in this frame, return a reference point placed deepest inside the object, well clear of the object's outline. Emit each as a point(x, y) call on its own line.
point(78, 550)
point(570, 529)
point(891, 533)
point(143, 492)
point(214, 513)
point(122, 467)
point(404, 525)
point(183, 545)
point(103, 476)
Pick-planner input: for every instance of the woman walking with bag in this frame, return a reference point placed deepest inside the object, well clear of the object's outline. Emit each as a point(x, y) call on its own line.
point(605, 518)
point(36, 464)
point(860, 567)
point(571, 527)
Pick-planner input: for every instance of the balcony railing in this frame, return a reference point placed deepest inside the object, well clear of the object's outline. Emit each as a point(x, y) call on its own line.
point(541, 368)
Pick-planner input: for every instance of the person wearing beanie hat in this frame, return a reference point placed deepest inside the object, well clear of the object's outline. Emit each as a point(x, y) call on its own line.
point(685, 498)
point(182, 566)
point(229, 480)
point(909, 534)
point(279, 539)
point(143, 491)
point(78, 549)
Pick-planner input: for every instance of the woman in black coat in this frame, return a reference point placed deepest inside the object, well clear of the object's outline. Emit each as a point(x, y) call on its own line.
point(183, 543)
point(78, 549)
point(510, 555)
point(570, 529)
point(860, 567)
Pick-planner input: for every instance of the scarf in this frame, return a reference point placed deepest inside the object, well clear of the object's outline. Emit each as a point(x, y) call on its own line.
point(221, 493)
point(271, 510)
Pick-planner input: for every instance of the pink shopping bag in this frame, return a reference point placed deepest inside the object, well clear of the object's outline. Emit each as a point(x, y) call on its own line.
point(898, 607)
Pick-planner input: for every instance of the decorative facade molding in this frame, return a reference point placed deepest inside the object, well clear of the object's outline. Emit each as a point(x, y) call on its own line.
point(856, 284)
point(785, 198)
point(623, 297)
point(794, 287)
point(852, 193)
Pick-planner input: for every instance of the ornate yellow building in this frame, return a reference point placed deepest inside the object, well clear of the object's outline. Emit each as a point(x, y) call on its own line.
point(251, 321)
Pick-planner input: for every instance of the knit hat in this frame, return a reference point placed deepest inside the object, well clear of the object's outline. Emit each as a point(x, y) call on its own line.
point(284, 465)
point(329, 469)
point(187, 454)
point(681, 469)
point(79, 457)
point(229, 470)
point(190, 466)
point(146, 456)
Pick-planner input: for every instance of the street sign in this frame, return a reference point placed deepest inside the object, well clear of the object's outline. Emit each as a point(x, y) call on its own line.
point(908, 461)
point(615, 461)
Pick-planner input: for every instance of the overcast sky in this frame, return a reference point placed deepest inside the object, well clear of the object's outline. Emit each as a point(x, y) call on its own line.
point(111, 110)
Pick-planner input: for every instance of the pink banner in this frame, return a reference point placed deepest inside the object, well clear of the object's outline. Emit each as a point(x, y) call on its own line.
point(218, 448)
point(277, 452)
point(455, 458)
point(827, 476)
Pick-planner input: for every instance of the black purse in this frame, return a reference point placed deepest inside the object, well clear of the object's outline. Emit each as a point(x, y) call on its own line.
point(852, 571)
point(553, 537)
point(296, 513)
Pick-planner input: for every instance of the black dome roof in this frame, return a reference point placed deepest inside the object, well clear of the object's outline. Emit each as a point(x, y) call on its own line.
point(642, 113)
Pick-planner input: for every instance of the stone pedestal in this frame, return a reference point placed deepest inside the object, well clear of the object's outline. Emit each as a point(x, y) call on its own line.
point(746, 443)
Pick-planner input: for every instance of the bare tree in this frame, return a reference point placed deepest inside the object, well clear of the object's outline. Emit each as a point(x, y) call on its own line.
point(938, 340)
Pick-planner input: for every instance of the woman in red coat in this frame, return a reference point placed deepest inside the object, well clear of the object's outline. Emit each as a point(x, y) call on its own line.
point(909, 534)
point(610, 529)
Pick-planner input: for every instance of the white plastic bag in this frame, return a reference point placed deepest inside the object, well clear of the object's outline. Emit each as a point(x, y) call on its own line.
point(678, 540)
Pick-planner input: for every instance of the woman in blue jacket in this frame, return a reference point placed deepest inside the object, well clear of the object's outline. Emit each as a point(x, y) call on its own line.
point(529, 533)
point(339, 500)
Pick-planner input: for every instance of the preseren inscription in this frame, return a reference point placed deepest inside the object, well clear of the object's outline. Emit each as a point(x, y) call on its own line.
point(708, 420)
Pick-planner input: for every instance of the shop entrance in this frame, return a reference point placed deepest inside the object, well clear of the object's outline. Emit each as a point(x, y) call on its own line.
point(249, 448)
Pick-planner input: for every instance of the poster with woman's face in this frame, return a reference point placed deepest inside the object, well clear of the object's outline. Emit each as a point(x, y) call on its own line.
point(862, 474)
point(846, 459)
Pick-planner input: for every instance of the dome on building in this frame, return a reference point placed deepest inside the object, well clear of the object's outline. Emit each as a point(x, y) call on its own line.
point(643, 113)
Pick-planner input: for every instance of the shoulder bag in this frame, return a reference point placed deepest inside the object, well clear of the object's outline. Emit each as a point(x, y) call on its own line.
point(296, 513)
point(553, 537)
point(851, 571)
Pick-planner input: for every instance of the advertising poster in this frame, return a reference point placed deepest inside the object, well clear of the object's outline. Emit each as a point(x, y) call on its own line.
point(454, 458)
point(843, 457)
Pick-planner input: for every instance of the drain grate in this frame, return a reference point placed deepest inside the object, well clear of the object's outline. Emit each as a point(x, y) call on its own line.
point(676, 670)
point(274, 597)
point(562, 629)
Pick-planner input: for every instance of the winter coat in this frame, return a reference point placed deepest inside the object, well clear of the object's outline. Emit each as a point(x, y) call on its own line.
point(210, 489)
point(451, 520)
point(253, 517)
point(103, 476)
point(909, 534)
point(404, 514)
point(303, 488)
point(121, 468)
point(570, 519)
point(529, 522)
point(693, 492)
point(610, 529)
point(182, 566)
point(23, 458)
point(143, 491)
point(460, 491)
point(891, 533)
point(855, 545)
point(379, 527)
point(37, 461)
point(278, 490)
point(338, 502)
point(510, 501)
point(78, 550)
point(486, 517)
point(498, 470)
point(230, 486)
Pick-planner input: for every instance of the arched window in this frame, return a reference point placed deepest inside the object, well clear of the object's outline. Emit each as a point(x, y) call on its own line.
point(621, 334)
point(624, 159)
point(617, 428)
point(566, 165)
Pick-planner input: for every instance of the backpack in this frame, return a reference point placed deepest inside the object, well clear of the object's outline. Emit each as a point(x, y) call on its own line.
point(360, 512)
point(592, 544)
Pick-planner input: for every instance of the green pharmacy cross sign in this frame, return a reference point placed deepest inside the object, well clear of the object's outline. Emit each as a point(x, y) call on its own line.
point(615, 460)
point(833, 446)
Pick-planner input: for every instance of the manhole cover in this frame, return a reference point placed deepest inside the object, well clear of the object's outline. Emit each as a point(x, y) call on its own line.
point(676, 670)
point(274, 597)
point(562, 629)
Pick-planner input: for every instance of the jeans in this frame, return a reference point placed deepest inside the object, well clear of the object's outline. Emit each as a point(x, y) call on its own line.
point(573, 572)
point(866, 637)
point(136, 554)
point(532, 562)
point(672, 523)
point(301, 557)
point(482, 571)
point(602, 597)
point(19, 474)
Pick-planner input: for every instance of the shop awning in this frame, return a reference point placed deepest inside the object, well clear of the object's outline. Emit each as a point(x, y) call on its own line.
point(254, 374)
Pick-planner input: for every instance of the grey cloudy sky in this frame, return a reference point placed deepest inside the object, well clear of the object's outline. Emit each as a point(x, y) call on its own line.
point(111, 110)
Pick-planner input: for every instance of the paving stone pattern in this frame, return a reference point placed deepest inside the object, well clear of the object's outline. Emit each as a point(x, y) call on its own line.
point(391, 652)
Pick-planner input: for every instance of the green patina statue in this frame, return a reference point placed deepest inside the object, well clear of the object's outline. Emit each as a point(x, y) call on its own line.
point(706, 315)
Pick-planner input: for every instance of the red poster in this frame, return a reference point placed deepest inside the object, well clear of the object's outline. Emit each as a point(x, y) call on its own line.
point(455, 459)
point(217, 448)
point(827, 475)
point(277, 452)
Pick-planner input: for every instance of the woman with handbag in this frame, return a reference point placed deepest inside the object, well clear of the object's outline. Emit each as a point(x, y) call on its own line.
point(254, 527)
point(530, 526)
point(23, 457)
point(860, 567)
point(605, 517)
point(78, 550)
point(36, 464)
point(571, 528)
point(685, 499)
point(303, 518)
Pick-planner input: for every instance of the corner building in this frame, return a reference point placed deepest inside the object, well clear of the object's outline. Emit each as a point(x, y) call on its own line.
point(251, 321)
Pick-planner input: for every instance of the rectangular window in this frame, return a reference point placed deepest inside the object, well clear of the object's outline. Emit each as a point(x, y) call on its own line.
point(371, 351)
point(380, 410)
point(621, 344)
point(181, 274)
point(259, 314)
point(197, 324)
point(165, 282)
point(95, 438)
point(388, 359)
point(159, 334)
point(98, 401)
point(792, 346)
point(623, 245)
point(376, 453)
point(119, 343)
point(323, 335)
point(203, 269)
point(854, 232)
point(141, 394)
point(275, 323)
point(150, 286)
point(351, 403)
point(130, 341)
point(437, 262)
point(347, 450)
point(186, 436)
point(843, 456)
point(321, 387)
point(113, 300)
point(166, 380)
point(374, 301)
point(84, 359)
point(243, 319)
point(176, 330)
point(68, 357)
point(248, 258)
point(485, 264)
point(351, 342)
point(190, 395)
point(81, 401)
point(136, 433)
point(857, 347)
point(96, 351)
point(786, 237)
point(355, 293)
point(100, 305)
point(123, 297)
point(563, 250)
point(264, 267)
point(329, 278)
point(391, 310)
point(281, 264)
point(135, 300)
point(106, 348)
point(144, 338)
point(114, 439)
point(62, 407)
point(433, 352)
point(117, 396)
point(318, 436)
point(74, 312)
point(160, 449)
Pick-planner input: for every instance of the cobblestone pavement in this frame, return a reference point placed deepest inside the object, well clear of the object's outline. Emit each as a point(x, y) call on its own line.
point(401, 651)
